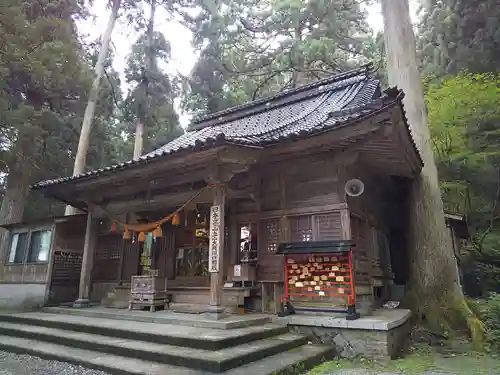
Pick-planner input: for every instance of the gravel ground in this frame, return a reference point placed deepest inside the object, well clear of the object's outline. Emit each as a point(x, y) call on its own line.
point(15, 364)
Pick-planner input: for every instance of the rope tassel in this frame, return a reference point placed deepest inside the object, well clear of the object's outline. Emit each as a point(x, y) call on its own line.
point(154, 227)
point(158, 232)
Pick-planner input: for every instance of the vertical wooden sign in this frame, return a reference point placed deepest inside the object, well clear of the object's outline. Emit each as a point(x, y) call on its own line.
point(214, 244)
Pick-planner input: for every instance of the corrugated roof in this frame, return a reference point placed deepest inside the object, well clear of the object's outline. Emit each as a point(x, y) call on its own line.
point(300, 112)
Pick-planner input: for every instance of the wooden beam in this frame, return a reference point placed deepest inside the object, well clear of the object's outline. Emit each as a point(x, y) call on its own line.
point(254, 216)
point(164, 200)
point(239, 154)
point(223, 173)
point(141, 184)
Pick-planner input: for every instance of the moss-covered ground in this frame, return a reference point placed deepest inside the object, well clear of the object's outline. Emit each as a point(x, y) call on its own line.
point(457, 358)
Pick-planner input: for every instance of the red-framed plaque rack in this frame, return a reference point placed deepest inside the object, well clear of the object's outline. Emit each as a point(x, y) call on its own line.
point(319, 270)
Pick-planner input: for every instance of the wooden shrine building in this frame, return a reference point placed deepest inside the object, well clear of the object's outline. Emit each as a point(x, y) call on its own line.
point(327, 164)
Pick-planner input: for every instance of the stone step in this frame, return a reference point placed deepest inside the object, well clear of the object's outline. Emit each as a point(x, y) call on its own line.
point(166, 317)
point(115, 303)
point(159, 333)
point(118, 297)
point(212, 360)
point(303, 358)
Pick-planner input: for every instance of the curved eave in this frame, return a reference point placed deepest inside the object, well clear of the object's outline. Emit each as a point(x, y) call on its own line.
point(141, 162)
point(391, 150)
point(412, 153)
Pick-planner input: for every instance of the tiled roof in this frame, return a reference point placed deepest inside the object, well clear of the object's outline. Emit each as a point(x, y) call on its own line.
point(299, 112)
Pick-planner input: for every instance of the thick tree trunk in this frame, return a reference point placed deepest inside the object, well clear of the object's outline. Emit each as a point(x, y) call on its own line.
point(83, 143)
point(139, 139)
point(17, 191)
point(433, 288)
point(143, 108)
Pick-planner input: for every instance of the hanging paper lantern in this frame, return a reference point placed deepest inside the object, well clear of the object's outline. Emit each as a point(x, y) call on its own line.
point(141, 237)
point(176, 220)
point(127, 235)
point(113, 226)
point(158, 232)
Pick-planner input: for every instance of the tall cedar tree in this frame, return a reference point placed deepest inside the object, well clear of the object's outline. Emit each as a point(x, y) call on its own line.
point(151, 104)
point(83, 142)
point(40, 68)
point(434, 292)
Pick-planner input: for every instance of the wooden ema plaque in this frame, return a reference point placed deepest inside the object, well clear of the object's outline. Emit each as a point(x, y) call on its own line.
point(318, 273)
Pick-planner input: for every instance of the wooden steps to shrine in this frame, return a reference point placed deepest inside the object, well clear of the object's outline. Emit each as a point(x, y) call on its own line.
point(128, 347)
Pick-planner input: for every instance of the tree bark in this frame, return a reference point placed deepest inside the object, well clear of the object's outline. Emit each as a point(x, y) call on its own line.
point(16, 192)
point(144, 106)
point(434, 290)
point(83, 143)
point(139, 139)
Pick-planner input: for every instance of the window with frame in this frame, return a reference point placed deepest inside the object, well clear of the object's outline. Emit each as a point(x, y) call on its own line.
point(303, 228)
point(30, 246)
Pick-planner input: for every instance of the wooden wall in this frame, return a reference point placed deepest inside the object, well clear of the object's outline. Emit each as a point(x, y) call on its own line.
point(309, 193)
point(107, 256)
point(111, 247)
point(25, 273)
point(370, 226)
point(69, 238)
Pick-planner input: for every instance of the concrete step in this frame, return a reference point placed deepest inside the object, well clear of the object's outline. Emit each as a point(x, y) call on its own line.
point(159, 333)
point(119, 297)
point(165, 317)
point(213, 360)
point(303, 358)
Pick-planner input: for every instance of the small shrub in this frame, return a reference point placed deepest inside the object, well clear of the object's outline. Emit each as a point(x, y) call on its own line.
point(491, 316)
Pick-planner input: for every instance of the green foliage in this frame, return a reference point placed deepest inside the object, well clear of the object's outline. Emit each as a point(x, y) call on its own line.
point(45, 77)
point(255, 48)
point(40, 71)
point(457, 35)
point(456, 359)
point(491, 315)
point(151, 98)
point(464, 118)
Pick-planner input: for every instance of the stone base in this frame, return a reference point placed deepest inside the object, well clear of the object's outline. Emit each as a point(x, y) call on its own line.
point(380, 336)
point(215, 313)
point(81, 303)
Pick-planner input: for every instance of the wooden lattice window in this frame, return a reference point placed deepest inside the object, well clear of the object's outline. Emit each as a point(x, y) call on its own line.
point(301, 229)
point(107, 258)
point(270, 230)
point(67, 267)
point(327, 227)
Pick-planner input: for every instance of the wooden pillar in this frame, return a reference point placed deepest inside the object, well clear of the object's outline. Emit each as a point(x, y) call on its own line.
point(122, 256)
point(216, 252)
point(87, 262)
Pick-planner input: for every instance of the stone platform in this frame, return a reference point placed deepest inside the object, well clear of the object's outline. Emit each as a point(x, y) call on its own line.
point(381, 335)
point(241, 345)
point(164, 317)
